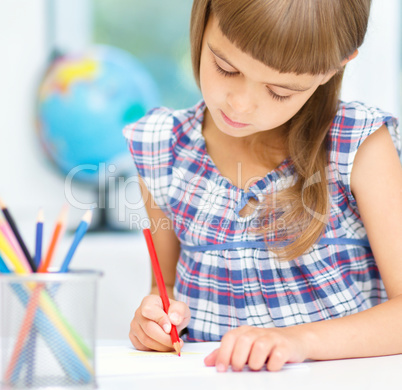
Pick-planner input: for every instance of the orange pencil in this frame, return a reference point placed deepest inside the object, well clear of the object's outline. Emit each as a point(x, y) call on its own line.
point(161, 286)
point(25, 329)
point(44, 265)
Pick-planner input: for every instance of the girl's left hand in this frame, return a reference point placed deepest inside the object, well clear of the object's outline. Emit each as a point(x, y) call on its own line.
point(257, 347)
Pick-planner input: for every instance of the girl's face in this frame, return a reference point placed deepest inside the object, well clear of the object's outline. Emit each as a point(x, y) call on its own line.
point(244, 96)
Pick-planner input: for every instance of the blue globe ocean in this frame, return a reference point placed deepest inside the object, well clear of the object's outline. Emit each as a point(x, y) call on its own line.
point(83, 104)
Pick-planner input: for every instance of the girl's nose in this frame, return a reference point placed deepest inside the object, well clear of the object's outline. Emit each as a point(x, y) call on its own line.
point(242, 101)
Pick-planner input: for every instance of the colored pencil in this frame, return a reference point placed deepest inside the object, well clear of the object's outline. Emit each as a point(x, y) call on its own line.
point(80, 232)
point(161, 286)
point(44, 268)
point(14, 228)
point(45, 301)
point(8, 251)
point(49, 322)
point(65, 357)
point(31, 351)
point(9, 235)
point(64, 352)
point(3, 267)
point(24, 331)
point(45, 263)
point(47, 306)
point(38, 241)
point(30, 312)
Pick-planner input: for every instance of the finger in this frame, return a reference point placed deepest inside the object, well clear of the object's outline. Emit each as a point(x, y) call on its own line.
point(133, 338)
point(179, 314)
point(259, 354)
point(136, 343)
point(138, 337)
point(241, 351)
point(209, 361)
point(224, 355)
point(278, 357)
point(146, 331)
point(152, 336)
point(152, 309)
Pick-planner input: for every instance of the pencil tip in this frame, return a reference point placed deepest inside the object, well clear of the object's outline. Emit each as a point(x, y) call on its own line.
point(2, 204)
point(87, 217)
point(176, 347)
point(63, 213)
point(41, 215)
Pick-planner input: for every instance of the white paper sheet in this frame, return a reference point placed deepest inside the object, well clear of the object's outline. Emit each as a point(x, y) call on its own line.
point(126, 360)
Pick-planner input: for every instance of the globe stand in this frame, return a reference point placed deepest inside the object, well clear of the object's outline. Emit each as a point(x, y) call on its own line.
point(102, 225)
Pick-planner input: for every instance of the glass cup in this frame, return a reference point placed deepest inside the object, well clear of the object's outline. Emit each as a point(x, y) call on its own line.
point(47, 329)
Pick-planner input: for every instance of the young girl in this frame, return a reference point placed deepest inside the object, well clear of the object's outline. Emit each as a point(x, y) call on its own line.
point(274, 206)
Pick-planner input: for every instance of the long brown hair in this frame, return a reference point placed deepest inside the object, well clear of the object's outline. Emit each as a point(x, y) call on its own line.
point(302, 37)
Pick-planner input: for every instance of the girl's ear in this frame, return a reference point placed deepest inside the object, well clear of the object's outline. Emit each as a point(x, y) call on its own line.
point(343, 63)
point(327, 77)
point(350, 58)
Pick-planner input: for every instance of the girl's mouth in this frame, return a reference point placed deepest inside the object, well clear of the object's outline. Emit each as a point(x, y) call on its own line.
point(232, 123)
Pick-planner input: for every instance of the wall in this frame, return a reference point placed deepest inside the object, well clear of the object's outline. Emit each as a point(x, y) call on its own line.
point(28, 182)
point(374, 76)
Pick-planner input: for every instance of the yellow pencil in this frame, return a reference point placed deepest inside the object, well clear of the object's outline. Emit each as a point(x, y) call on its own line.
point(6, 248)
point(10, 237)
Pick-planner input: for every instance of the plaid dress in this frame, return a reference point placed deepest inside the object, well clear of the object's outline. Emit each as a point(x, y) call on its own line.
point(225, 274)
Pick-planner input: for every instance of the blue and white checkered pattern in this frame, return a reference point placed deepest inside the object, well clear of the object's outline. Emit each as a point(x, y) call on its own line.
point(225, 274)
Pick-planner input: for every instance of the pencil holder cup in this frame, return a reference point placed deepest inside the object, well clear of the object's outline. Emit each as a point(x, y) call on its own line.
point(47, 329)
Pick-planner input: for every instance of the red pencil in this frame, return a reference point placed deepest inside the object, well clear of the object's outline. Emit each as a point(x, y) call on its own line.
point(161, 286)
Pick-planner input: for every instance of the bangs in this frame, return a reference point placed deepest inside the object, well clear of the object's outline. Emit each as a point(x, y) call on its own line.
point(291, 36)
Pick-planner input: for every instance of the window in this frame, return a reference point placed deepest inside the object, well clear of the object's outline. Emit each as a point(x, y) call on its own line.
point(157, 33)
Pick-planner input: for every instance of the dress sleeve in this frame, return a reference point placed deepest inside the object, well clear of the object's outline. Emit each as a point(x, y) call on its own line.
point(150, 142)
point(353, 123)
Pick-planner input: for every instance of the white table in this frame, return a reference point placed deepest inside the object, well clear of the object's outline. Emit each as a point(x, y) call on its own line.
point(369, 373)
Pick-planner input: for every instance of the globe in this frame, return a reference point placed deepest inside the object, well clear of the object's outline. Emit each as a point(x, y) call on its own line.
point(84, 101)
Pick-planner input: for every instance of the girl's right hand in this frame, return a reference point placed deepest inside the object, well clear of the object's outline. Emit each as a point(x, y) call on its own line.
point(150, 327)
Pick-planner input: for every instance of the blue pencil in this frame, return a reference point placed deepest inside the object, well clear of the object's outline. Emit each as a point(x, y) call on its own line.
point(3, 267)
point(30, 349)
point(39, 235)
point(80, 232)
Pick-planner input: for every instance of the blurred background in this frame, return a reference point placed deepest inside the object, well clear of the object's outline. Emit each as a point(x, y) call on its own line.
point(105, 63)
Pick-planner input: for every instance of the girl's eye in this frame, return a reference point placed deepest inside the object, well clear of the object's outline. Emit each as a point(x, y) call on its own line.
point(231, 74)
point(224, 72)
point(277, 97)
